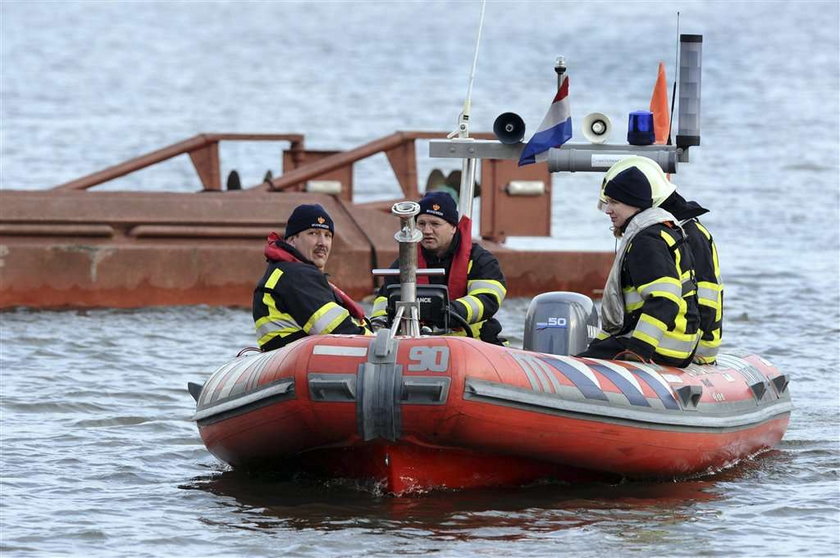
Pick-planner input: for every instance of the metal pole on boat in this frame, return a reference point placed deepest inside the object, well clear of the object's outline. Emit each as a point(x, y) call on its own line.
point(560, 68)
point(691, 55)
point(408, 237)
point(467, 189)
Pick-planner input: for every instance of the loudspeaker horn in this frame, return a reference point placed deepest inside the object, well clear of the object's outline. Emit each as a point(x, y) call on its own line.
point(509, 128)
point(597, 127)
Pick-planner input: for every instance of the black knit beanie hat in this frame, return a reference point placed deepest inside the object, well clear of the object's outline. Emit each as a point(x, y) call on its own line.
point(308, 216)
point(631, 187)
point(440, 204)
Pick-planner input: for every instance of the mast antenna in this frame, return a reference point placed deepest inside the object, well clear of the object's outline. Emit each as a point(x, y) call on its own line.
point(463, 129)
point(674, 89)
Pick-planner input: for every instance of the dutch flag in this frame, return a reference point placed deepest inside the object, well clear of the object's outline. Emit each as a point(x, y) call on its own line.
point(555, 130)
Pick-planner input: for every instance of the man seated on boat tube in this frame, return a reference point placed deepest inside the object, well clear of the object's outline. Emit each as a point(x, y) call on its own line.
point(294, 298)
point(649, 309)
point(473, 275)
point(699, 240)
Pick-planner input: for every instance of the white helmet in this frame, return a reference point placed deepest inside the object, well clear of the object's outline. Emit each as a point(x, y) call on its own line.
point(660, 186)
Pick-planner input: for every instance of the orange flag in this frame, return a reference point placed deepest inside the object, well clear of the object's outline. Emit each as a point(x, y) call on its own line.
point(659, 107)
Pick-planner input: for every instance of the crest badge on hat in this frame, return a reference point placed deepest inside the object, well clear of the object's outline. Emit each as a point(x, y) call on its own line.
point(308, 216)
point(441, 205)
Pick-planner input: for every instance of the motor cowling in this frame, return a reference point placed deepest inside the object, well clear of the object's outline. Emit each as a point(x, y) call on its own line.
point(560, 323)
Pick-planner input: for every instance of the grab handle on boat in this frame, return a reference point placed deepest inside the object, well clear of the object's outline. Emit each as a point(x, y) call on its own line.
point(195, 389)
point(758, 389)
point(780, 382)
point(689, 395)
point(332, 387)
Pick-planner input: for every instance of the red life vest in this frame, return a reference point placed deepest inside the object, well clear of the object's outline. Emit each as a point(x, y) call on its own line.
point(277, 253)
point(457, 281)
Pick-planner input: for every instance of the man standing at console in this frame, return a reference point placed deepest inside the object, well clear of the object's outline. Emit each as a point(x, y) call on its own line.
point(473, 275)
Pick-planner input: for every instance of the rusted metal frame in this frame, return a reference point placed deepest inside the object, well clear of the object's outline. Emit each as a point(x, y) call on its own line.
point(398, 147)
point(206, 163)
point(403, 159)
point(204, 153)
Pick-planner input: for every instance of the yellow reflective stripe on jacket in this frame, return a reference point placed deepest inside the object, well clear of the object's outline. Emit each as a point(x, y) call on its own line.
point(689, 285)
point(677, 348)
point(632, 299)
point(671, 242)
point(676, 343)
point(474, 328)
point(666, 287)
point(276, 324)
point(707, 350)
point(703, 230)
point(672, 344)
point(325, 319)
point(487, 286)
point(275, 276)
point(362, 324)
point(380, 307)
point(708, 294)
point(649, 329)
point(474, 307)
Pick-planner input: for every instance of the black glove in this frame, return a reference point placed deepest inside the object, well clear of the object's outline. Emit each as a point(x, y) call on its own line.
point(378, 323)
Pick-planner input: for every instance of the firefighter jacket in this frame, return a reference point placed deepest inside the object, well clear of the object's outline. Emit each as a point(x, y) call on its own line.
point(660, 320)
point(475, 280)
point(294, 299)
point(709, 290)
point(707, 271)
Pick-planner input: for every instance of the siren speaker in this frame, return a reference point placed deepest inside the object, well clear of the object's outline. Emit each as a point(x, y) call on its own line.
point(597, 127)
point(509, 128)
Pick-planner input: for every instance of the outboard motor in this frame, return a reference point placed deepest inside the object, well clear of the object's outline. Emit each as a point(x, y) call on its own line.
point(560, 323)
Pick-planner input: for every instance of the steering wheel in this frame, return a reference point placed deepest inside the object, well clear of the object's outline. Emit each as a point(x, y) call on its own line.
point(462, 323)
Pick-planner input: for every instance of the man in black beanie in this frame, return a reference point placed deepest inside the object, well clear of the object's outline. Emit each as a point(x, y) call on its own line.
point(473, 275)
point(649, 309)
point(294, 298)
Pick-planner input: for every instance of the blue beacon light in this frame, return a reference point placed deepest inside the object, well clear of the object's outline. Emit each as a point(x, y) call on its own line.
point(640, 128)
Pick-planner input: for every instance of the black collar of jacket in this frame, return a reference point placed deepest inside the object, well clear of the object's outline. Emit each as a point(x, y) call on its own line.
point(677, 206)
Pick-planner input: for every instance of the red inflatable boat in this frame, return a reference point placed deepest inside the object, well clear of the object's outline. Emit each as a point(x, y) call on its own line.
point(418, 413)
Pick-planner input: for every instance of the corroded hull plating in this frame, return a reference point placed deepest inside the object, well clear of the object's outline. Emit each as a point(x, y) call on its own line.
point(448, 412)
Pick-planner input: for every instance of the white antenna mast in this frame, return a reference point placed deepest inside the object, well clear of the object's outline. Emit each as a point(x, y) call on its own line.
point(463, 130)
point(463, 133)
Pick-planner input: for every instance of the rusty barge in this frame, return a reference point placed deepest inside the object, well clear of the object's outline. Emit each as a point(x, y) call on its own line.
point(72, 246)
